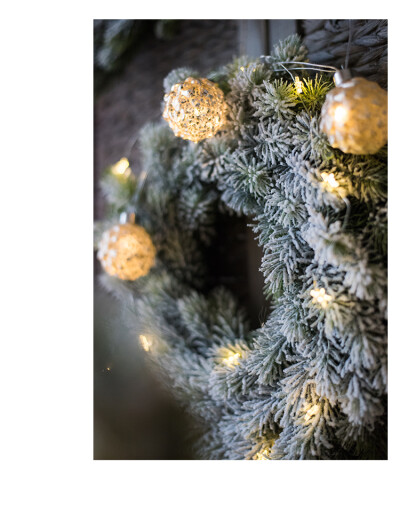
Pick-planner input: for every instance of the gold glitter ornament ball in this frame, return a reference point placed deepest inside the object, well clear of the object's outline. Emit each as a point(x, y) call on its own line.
point(195, 109)
point(354, 116)
point(126, 251)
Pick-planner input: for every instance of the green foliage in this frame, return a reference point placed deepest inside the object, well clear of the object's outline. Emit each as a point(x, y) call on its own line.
point(314, 91)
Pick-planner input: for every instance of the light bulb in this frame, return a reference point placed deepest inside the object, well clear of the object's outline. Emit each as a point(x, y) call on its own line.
point(262, 455)
point(145, 342)
point(298, 85)
point(121, 167)
point(232, 360)
point(311, 412)
point(320, 297)
point(330, 180)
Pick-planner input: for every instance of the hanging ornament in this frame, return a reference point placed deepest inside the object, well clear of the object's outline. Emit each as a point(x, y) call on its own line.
point(354, 115)
point(126, 251)
point(195, 109)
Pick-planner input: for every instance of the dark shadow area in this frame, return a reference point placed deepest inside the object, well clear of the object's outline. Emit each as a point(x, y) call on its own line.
point(234, 263)
point(133, 417)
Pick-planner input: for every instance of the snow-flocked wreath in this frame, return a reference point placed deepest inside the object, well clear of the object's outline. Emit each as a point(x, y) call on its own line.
point(310, 382)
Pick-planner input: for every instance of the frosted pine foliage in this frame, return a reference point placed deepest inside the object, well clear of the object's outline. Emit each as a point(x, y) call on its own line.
point(311, 381)
point(290, 49)
point(276, 100)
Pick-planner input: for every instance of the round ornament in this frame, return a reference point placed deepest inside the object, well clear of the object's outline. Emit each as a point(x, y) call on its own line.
point(195, 109)
point(126, 251)
point(354, 116)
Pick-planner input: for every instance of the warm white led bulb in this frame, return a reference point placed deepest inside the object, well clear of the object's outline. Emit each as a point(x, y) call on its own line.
point(298, 85)
point(262, 455)
point(320, 297)
point(145, 342)
point(330, 180)
point(232, 360)
point(311, 412)
point(121, 167)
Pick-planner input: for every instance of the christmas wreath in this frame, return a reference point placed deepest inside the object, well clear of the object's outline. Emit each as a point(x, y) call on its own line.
point(310, 382)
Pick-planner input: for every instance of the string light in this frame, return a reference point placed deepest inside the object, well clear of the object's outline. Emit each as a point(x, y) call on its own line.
point(262, 455)
point(320, 296)
point(329, 179)
point(354, 116)
point(145, 342)
point(232, 360)
point(298, 85)
point(121, 168)
point(311, 412)
point(330, 184)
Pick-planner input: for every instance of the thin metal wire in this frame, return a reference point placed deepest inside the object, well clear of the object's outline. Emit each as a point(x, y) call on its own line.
point(287, 70)
point(141, 182)
point(131, 144)
point(307, 68)
point(132, 206)
point(312, 64)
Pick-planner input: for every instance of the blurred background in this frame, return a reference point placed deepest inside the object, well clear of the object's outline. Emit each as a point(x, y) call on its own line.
point(133, 417)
